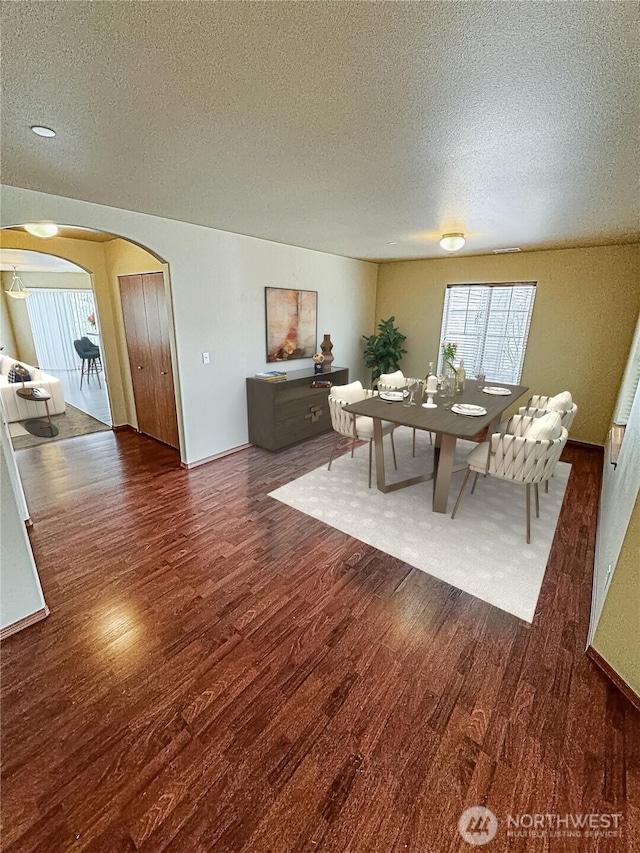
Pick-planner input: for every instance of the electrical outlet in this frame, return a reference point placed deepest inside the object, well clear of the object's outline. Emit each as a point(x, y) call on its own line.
point(205, 358)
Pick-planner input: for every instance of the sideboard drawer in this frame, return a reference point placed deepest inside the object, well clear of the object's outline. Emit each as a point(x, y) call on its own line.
point(298, 401)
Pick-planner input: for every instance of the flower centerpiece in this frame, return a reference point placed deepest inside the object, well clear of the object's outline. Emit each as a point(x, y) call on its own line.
point(449, 351)
point(91, 319)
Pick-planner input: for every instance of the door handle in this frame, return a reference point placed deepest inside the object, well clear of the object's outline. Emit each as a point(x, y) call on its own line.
point(163, 373)
point(139, 367)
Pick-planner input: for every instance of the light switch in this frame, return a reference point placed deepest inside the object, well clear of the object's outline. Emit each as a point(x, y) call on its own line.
point(205, 358)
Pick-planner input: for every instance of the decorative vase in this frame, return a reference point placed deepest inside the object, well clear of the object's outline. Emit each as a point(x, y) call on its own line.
point(326, 346)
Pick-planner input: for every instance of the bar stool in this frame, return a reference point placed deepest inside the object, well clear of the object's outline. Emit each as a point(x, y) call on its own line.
point(90, 356)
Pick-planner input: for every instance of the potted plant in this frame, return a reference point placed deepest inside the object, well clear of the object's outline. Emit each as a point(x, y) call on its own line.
point(383, 351)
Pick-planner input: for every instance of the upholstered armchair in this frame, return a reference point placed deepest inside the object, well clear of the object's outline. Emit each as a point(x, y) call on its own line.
point(560, 403)
point(392, 382)
point(527, 455)
point(355, 427)
point(540, 404)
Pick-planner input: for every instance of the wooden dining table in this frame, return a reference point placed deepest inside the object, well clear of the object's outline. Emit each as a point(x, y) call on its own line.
point(447, 426)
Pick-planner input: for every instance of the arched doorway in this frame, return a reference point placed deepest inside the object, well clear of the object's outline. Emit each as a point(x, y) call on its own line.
point(107, 258)
point(56, 330)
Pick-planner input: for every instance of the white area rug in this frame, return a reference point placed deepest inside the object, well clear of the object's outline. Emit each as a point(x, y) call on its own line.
point(483, 551)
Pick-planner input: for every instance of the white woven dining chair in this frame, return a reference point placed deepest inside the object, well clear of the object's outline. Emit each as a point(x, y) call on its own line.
point(562, 403)
point(392, 382)
point(527, 454)
point(355, 427)
point(540, 404)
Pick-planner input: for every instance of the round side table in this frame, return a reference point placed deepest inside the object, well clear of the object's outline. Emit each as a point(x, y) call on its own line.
point(37, 427)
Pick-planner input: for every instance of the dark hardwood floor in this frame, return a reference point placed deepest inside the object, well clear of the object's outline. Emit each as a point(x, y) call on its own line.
point(221, 673)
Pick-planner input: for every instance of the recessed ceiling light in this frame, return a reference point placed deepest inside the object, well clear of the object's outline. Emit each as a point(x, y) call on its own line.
point(506, 251)
point(392, 243)
point(41, 229)
point(39, 130)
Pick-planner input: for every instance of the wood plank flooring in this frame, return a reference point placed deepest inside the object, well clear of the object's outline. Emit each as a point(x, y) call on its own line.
point(222, 673)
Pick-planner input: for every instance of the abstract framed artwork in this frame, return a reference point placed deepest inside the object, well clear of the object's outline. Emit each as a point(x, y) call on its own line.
point(292, 321)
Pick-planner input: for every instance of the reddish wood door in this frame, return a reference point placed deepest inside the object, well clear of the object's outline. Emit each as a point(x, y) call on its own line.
point(146, 325)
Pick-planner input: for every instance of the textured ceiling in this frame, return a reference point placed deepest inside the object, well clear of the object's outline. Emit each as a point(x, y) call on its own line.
point(335, 126)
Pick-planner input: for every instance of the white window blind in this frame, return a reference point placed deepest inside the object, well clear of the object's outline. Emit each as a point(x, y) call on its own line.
point(630, 382)
point(58, 317)
point(490, 324)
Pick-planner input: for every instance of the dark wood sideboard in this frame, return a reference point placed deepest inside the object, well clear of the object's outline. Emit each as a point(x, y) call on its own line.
point(286, 412)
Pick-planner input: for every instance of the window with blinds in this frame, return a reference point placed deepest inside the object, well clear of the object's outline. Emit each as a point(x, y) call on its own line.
point(630, 382)
point(490, 324)
point(58, 317)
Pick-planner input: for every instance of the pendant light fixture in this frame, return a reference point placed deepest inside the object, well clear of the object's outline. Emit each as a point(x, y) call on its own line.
point(41, 229)
point(17, 289)
point(452, 242)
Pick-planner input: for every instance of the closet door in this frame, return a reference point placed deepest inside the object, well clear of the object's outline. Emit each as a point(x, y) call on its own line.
point(160, 373)
point(147, 330)
point(135, 325)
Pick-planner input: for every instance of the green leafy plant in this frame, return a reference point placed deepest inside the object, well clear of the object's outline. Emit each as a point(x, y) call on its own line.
point(383, 352)
point(448, 354)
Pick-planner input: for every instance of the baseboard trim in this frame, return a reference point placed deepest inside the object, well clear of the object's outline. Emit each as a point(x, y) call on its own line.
point(31, 619)
point(122, 427)
point(613, 676)
point(206, 460)
point(586, 444)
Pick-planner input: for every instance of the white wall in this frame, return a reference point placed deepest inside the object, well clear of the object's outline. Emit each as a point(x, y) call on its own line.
point(14, 475)
point(617, 498)
point(218, 282)
point(20, 590)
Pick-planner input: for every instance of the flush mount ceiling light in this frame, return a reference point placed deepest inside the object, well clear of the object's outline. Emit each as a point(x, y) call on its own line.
point(452, 242)
point(46, 132)
point(41, 229)
point(17, 289)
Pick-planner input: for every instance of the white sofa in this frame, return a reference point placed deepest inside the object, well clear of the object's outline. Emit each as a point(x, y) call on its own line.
point(17, 409)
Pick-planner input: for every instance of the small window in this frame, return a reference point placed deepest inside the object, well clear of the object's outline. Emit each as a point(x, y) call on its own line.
point(490, 324)
point(629, 383)
point(626, 398)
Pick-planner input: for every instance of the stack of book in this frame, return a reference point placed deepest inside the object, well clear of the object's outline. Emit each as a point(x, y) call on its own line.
point(272, 376)
point(321, 383)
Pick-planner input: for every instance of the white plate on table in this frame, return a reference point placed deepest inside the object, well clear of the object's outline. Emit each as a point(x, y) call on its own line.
point(500, 392)
point(468, 409)
point(392, 396)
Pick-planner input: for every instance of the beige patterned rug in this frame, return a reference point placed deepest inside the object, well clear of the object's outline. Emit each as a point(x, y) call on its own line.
point(482, 551)
point(72, 423)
